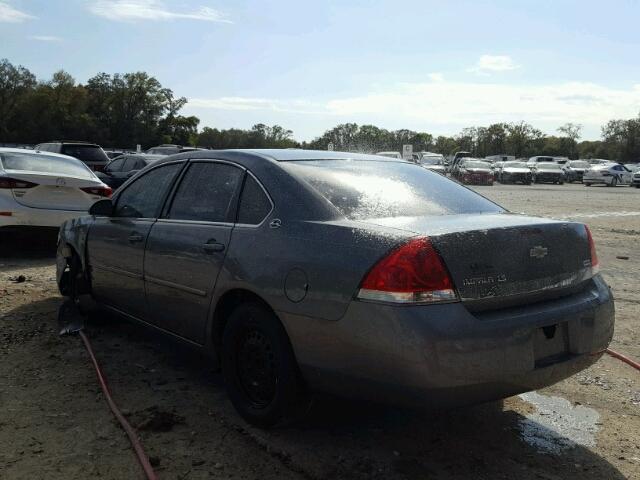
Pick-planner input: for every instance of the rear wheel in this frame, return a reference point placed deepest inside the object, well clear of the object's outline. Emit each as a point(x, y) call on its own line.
point(259, 367)
point(587, 184)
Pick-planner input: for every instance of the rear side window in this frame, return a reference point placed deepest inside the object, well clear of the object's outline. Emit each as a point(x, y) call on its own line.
point(86, 153)
point(366, 190)
point(143, 198)
point(129, 164)
point(254, 203)
point(115, 166)
point(207, 193)
point(43, 163)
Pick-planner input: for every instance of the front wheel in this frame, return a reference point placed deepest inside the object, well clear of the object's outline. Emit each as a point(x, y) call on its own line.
point(259, 367)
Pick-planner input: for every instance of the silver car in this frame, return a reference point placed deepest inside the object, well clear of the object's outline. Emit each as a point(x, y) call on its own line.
point(364, 276)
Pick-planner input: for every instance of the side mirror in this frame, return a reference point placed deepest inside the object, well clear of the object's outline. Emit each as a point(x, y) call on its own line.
point(102, 208)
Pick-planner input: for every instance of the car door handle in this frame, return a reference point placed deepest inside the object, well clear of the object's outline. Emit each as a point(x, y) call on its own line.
point(213, 246)
point(135, 238)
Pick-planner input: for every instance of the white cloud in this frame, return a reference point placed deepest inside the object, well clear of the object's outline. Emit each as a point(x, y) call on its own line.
point(150, 10)
point(436, 77)
point(447, 106)
point(252, 103)
point(45, 38)
point(494, 63)
point(8, 14)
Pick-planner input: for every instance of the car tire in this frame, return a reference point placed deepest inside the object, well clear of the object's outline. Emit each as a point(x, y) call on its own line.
point(560, 183)
point(614, 182)
point(259, 367)
point(587, 184)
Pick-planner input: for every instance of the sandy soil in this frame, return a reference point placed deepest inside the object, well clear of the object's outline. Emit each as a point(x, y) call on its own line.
point(55, 424)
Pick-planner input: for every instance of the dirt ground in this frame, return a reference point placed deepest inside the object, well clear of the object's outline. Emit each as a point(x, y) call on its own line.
point(55, 424)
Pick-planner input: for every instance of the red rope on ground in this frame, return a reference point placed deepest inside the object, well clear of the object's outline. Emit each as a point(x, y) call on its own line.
point(131, 433)
point(619, 356)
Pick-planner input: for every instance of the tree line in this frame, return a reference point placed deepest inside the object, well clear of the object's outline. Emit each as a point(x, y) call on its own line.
point(123, 110)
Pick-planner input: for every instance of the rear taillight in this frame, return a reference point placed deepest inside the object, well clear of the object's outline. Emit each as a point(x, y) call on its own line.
point(100, 191)
point(6, 182)
point(595, 264)
point(412, 273)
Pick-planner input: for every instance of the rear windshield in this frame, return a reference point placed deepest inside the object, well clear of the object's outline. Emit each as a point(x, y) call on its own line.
point(515, 165)
point(476, 165)
point(579, 164)
point(30, 162)
point(364, 190)
point(86, 153)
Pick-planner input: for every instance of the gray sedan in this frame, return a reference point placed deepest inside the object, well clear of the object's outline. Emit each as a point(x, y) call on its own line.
point(367, 277)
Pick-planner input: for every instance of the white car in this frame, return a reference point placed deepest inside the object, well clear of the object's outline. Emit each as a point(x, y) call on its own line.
point(609, 174)
point(45, 189)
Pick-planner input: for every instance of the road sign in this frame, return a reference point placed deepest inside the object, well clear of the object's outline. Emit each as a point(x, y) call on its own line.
point(407, 152)
point(330, 147)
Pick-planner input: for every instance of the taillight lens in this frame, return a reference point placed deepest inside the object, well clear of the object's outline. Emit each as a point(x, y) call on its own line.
point(412, 273)
point(6, 182)
point(100, 191)
point(595, 263)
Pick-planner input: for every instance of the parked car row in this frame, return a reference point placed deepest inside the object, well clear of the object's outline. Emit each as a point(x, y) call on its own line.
point(538, 169)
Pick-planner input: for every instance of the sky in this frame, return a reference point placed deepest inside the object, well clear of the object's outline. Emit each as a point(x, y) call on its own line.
point(430, 66)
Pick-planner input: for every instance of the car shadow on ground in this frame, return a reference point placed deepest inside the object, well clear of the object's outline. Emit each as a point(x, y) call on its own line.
point(33, 247)
point(338, 438)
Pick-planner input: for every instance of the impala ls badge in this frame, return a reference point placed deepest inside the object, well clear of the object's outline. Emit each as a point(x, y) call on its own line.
point(538, 252)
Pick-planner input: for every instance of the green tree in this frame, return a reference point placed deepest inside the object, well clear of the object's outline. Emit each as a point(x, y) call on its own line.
point(15, 84)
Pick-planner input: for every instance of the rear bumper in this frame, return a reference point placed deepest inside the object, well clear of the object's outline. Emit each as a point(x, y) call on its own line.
point(22, 216)
point(602, 180)
point(445, 356)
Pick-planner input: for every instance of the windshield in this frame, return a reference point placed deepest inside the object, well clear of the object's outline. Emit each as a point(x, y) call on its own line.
point(364, 190)
point(432, 160)
point(549, 166)
point(515, 165)
point(476, 165)
point(86, 153)
point(29, 162)
point(579, 164)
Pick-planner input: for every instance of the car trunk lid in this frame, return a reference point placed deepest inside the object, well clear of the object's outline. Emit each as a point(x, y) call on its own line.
point(54, 193)
point(505, 260)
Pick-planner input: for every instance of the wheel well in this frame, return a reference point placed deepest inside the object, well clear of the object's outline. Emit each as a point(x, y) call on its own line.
point(226, 304)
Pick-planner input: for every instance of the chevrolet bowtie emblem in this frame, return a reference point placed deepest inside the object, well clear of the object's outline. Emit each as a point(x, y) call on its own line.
point(538, 252)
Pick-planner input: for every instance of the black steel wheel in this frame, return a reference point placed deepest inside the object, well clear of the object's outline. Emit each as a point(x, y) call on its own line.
point(259, 367)
point(256, 367)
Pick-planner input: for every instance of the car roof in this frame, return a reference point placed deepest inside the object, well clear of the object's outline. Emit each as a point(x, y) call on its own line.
point(278, 155)
point(144, 156)
point(71, 142)
point(36, 152)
